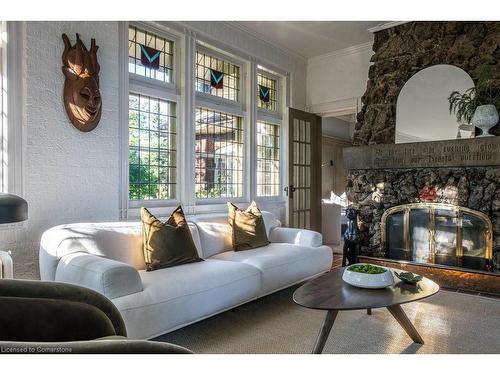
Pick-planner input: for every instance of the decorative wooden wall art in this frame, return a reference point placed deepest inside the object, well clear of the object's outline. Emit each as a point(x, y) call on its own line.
point(82, 98)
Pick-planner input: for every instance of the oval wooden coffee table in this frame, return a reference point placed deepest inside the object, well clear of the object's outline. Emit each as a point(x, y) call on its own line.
point(329, 292)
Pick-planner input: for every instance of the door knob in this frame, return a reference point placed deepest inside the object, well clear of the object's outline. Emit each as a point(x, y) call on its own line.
point(289, 190)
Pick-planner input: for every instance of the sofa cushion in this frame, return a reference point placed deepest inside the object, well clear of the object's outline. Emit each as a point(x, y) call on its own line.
point(282, 264)
point(215, 232)
point(185, 294)
point(167, 244)
point(247, 227)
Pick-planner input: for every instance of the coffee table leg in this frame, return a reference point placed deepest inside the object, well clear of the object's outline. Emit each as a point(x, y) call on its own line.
point(325, 331)
point(399, 314)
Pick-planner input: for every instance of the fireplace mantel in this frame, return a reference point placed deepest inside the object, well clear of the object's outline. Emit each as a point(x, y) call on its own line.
point(473, 152)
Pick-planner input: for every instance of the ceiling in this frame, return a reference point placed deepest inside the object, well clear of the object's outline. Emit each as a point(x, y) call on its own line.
point(312, 38)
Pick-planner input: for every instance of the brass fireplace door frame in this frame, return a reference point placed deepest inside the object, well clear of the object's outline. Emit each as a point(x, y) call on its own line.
point(406, 208)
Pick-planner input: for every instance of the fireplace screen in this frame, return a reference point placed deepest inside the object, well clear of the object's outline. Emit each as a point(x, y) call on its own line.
point(438, 234)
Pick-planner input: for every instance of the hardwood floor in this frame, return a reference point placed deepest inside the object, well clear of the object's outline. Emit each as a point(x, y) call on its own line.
point(337, 261)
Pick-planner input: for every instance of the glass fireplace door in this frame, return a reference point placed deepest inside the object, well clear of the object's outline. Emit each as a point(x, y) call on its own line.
point(436, 233)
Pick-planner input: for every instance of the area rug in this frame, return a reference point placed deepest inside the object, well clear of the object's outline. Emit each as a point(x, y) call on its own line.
point(449, 322)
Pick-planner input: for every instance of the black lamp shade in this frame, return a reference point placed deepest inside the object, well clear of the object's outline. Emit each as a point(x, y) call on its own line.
point(12, 208)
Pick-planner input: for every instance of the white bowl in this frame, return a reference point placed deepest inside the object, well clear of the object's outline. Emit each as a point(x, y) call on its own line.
point(367, 280)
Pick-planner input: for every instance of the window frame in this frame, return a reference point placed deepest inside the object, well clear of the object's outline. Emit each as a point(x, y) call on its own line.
point(211, 100)
point(236, 108)
point(168, 202)
point(138, 84)
point(12, 35)
point(279, 93)
point(183, 91)
point(146, 81)
point(278, 197)
point(277, 118)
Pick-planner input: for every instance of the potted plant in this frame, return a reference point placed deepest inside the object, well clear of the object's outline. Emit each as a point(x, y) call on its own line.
point(478, 105)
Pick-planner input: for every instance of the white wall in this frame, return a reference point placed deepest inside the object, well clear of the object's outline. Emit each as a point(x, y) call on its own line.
point(71, 176)
point(337, 128)
point(337, 80)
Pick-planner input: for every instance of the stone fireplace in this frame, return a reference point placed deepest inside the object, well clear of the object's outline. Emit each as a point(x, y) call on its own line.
point(432, 203)
point(431, 207)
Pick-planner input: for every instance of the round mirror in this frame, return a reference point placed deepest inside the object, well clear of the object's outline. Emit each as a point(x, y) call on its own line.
point(422, 112)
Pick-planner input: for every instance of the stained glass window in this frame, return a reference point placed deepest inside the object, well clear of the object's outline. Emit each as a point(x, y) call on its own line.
point(268, 159)
point(208, 67)
point(219, 154)
point(152, 148)
point(267, 96)
point(150, 55)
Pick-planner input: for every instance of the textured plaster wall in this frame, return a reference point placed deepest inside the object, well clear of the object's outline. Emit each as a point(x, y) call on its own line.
point(69, 176)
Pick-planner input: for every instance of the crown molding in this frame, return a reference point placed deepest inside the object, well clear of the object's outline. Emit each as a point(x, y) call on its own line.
point(386, 25)
point(338, 107)
point(262, 38)
point(342, 52)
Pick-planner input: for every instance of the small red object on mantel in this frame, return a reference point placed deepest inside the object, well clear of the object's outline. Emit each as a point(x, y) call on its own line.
point(427, 194)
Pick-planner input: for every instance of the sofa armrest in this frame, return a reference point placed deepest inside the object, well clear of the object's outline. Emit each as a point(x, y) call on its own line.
point(109, 277)
point(296, 236)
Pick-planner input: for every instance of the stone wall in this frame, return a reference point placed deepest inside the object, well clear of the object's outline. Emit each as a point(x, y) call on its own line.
point(402, 51)
point(374, 191)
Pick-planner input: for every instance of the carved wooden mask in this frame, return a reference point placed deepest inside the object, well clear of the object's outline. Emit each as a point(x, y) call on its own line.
point(82, 98)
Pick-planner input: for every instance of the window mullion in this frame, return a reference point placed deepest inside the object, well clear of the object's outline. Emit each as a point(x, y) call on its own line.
point(252, 131)
point(187, 175)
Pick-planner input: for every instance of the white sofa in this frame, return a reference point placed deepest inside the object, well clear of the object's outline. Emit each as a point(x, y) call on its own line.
point(108, 258)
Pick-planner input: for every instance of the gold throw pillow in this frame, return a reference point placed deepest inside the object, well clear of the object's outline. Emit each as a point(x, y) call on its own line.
point(248, 228)
point(167, 244)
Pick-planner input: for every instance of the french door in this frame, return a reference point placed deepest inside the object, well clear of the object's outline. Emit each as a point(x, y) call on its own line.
point(304, 170)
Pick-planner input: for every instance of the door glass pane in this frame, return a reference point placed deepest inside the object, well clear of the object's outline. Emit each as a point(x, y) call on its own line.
point(473, 241)
point(419, 235)
point(445, 237)
point(307, 158)
point(395, 236)
point(295, 153)
point(295, 129)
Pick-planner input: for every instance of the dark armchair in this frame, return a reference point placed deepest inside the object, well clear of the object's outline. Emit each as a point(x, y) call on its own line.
point(52, 317)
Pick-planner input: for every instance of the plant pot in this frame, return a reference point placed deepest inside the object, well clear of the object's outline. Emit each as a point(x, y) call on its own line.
point(485, 117)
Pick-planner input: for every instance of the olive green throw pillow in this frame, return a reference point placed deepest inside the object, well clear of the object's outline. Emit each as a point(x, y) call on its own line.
point(248, 228)
point(167, 244)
